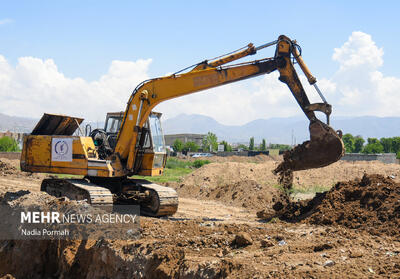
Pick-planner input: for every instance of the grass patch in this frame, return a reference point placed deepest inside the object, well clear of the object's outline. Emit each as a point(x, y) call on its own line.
point(168, 175)
point(199, 163)
point(174, 170)
point(173, 163)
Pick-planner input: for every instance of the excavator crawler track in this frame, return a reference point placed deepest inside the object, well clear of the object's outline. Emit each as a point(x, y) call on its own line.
point(157, 201)
point(154, 200)
point(78, 189)
point(164, 200)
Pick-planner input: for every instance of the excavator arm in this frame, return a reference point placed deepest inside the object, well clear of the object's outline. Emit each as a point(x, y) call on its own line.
point(211, 74)
point(138, 150)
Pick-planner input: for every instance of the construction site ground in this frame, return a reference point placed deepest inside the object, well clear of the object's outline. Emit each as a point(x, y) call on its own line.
point(352, 231)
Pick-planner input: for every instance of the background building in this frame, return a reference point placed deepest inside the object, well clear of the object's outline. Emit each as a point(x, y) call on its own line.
point(197, 138)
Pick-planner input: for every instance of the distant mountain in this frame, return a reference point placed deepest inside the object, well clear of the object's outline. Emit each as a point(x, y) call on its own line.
point(17, 124)
point(280, 130)
point(274, 130)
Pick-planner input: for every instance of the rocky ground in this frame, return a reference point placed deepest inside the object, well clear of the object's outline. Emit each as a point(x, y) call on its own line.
point(351, 231)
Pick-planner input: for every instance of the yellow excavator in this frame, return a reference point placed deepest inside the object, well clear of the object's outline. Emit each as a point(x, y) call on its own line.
point(132, 142)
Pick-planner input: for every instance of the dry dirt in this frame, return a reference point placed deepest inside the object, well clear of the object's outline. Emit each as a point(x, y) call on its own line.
point(371, 204)
point(238, 159)
point(216, 234)
point(247, 184)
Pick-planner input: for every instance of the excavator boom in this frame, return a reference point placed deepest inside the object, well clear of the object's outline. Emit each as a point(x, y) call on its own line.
point(206, 75)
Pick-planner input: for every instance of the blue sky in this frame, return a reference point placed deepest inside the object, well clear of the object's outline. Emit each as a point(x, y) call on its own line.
point(102, 49)
point(84, 36)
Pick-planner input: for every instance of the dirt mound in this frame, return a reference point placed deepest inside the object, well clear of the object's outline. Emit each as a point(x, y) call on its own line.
point(244, 159)
point(6, 168)
point(246, 193)
point(371, 204)
point(10, 169)
point(251, 185)
point(219, 174)
point(235, 158)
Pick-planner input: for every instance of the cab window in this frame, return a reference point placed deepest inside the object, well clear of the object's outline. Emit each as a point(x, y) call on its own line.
point(112, 125)
point(156, 134)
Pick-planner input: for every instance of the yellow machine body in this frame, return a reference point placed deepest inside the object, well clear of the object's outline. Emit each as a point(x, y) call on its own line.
point(78, 155)
point(37, 156)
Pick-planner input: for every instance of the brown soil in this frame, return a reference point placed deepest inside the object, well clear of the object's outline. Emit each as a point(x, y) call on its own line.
point(371, 204)
point(254, 179)
point(324, 148)
point(7, 169)
point(247, 193)
point(214, 236)
point(237, 159)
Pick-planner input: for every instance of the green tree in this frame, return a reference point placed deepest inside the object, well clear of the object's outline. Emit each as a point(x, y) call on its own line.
point(210, 141)
point(8, 144)
point(243, 147)
point(373, 146)
point(227, 146)
point(178, 145)
point(348, 141)
point(251, 144)
point(191, 146)
point(263, 145)
point(281, 147)
point(358, 144)
point(396, 144)
point(387, 144)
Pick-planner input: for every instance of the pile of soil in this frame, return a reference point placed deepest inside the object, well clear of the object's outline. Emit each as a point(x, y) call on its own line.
point(244, 159)
point(10, 168)
point(6, 168)
point(247, 193)
point(254, 186)
point(371, 204)
point(238, 159)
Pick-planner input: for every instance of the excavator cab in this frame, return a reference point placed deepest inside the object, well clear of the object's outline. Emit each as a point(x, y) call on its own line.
point(152, 155)
point(151, 151)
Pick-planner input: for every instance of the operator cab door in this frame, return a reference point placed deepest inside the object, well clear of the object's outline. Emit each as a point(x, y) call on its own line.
point(112, 126)
point(151, 147)
point(151, 151)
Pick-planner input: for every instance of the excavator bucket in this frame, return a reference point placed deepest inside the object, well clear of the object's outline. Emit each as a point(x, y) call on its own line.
point(324, 147)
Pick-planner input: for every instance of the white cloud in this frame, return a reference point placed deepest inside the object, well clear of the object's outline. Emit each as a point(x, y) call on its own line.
point(35, 86)
point(359, 51)
point(361, 89)
point(357, 88)
point(6, 21)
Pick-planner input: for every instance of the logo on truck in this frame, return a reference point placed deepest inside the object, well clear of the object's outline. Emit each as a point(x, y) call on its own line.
point(61, 149)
